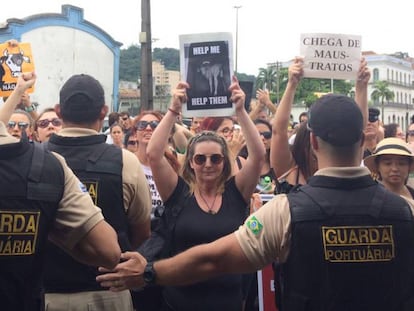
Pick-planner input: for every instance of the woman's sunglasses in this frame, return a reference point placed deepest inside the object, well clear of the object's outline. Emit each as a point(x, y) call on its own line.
point(266, 135)
point(45, 123)
point(142, 125)
point(21, 125)
point(200, 159)
point(132, 142)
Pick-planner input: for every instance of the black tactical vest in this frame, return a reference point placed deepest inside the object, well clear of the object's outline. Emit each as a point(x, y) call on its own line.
point(352, 248)
point(31, 186)
point(99, 167)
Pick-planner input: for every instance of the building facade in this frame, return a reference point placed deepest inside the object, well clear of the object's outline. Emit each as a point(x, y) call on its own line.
point(63, 45)
point(397, 70)
point(164, 81)
point(129, 97)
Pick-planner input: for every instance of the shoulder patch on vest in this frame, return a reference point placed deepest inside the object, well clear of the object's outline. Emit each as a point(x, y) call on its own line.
point(254, 225)
point(82, 187)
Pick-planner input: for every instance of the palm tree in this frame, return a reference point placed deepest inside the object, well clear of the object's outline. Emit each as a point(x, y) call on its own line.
point(267, 78)
point(382, 92)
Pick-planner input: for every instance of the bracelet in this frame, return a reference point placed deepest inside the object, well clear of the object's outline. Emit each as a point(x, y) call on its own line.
point(174, 112)
point(31, 108)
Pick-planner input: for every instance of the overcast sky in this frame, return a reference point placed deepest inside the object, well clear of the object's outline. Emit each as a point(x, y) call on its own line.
point(269, 30)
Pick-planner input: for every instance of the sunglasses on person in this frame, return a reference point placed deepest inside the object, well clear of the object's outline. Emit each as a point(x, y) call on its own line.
point(266, 135)
point(372, 118)
point(125, 118)
point(21, 125)
point(142, 125)
point(45, 123)
point(410, 133)
point(132, 142)
point(201, 159)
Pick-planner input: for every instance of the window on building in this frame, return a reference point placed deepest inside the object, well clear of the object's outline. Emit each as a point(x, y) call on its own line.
point(376, 74)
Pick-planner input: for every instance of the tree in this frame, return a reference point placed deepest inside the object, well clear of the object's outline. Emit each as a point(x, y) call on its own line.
point(310, 99)
point(169, 57)
point(382, 92)
point(130, 63)
point(245, 77)
point(267, 78)
point(342, 87)
point(274, 80)
point(281, 83)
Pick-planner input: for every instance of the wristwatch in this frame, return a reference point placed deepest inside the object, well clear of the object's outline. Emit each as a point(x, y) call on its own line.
point(149, 274)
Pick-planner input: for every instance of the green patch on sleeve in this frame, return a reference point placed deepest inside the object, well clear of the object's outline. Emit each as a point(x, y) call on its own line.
point(254, 225)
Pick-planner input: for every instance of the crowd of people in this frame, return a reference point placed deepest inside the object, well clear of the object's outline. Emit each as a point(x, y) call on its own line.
point(180, 223)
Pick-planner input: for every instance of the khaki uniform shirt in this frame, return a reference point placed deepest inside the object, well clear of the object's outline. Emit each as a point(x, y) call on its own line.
point(136, 193)
point(265, 235)
point(76, 214)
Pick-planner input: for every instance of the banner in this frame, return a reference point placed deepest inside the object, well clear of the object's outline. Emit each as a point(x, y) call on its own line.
point(330, 56)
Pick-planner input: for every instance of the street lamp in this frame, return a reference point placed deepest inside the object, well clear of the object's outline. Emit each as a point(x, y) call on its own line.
point(237, 7)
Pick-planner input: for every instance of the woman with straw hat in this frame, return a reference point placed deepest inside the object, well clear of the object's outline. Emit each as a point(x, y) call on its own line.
point(391, 163)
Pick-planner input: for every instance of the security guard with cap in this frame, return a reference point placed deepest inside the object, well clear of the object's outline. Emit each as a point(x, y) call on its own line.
point(350, 238)
point(345, 242)
point(41, 198)
point(116, 182)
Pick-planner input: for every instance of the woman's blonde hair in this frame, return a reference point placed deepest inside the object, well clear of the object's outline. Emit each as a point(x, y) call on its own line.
point(188, 173)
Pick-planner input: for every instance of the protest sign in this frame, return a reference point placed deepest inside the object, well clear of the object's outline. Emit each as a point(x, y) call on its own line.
point(206, 65)
point(330, 56)
point(13, 61)
point(247, 87)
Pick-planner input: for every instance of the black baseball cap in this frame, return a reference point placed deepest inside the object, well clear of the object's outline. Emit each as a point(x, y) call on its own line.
point(81, 97)
point(336, 119)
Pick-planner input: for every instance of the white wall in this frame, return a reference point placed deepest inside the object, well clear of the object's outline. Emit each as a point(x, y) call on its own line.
point(59, 52)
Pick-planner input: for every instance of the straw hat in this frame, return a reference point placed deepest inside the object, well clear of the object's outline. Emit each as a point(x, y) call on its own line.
point(390, 146)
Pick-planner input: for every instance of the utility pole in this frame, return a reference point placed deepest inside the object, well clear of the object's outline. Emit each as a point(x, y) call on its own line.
point(237, 7)
point(146, 57)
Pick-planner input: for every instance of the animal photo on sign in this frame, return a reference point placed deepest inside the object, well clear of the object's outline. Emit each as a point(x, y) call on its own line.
point(213, 74)
point(13, 61)
point(208, 74)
